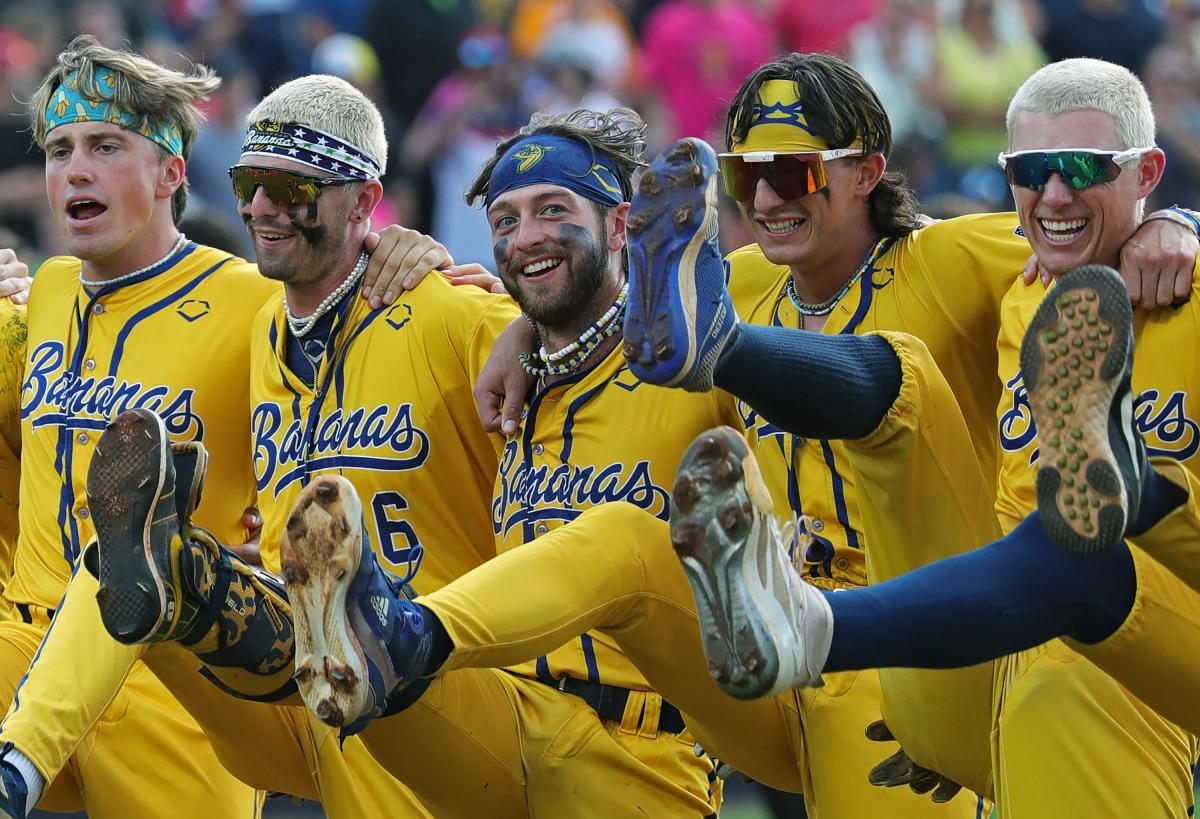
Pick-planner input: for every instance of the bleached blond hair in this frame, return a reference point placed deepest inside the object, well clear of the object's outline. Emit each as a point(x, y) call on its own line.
point(1084, 84)
point(329, 104)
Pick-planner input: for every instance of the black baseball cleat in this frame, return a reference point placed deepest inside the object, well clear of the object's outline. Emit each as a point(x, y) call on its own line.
point(131, 498)
point(1077, 362)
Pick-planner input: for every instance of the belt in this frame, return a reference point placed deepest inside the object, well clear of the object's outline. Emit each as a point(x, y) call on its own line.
point(608, 701)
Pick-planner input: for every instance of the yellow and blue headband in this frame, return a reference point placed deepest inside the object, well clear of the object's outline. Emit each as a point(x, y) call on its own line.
point(309, 146)
point(777, 123)
point(71, 103)
point(557, 160)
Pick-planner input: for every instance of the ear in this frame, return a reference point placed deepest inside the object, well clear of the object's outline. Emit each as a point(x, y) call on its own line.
point(615, 229)
point(172, 172)
point(1150, 171)
point(367, 200)
point(869, 172)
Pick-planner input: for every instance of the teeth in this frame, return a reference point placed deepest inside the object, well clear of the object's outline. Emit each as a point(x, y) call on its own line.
point(273, 235)
point(1064, 227)
point(538, 267)
point(783, 226)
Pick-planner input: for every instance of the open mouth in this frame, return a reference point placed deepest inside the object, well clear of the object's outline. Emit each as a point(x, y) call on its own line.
point(781, 227)
point(81, 210)
point(541, 268)
point(271, 238)
point(1062, 231)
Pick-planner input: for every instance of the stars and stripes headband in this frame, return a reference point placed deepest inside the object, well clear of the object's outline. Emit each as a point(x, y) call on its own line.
point(76, 101)
point(309, 146)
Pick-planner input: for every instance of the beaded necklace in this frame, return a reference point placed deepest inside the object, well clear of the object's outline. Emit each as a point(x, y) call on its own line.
point(826, 307)
point(571, 357)
point(300, 326)
point(124, 277)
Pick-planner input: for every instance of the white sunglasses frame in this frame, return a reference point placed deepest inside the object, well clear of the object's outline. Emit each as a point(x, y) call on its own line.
point(1119, 157)
point(769, 156)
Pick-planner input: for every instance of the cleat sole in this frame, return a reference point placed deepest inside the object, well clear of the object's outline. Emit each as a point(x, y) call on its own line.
point(1073, 359)
point(673, 214)
point(124, 485)
point(711, 518)
point(319, 556)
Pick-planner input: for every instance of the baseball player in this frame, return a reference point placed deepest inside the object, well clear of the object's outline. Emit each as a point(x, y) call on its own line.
point(117, 129)
point(816, 482)
point(1151, 506)
point(477, 756)
point(1091, 103)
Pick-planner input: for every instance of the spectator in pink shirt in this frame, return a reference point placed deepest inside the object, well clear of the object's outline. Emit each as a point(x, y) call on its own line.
point(807, 26)
point(696, 53)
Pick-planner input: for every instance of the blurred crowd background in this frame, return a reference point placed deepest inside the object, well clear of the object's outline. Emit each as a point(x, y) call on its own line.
point(453, 76)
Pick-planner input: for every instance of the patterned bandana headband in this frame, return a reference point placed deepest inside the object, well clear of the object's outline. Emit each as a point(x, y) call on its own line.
point(74, 101)
point(778, 123)
point(308, 146)
point(557, 160)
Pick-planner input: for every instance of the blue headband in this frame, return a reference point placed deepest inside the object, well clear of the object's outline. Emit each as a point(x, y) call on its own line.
point(556, 160)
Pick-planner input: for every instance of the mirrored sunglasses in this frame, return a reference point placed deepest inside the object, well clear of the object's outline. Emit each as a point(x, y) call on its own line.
point(790, 175)
point(284, 188)
point(1079, 167)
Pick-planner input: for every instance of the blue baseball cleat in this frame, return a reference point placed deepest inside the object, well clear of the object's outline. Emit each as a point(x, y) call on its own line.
point(1077, 362)
point(679, 316)
point(14, 794)
point(360, 640)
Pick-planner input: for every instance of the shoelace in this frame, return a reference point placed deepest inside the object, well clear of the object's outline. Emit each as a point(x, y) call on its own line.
point(796, 533)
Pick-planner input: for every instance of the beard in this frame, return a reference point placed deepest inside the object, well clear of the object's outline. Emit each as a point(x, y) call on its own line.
point(316, 249)
point(586, 262)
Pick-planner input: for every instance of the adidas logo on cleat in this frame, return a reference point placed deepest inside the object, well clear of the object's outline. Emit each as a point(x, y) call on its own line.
point(380, 606)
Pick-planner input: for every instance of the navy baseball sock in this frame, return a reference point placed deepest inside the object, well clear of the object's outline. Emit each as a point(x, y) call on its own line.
point(1160, 497)
point(1011, 595)
point(441, 646)
point(817, 386)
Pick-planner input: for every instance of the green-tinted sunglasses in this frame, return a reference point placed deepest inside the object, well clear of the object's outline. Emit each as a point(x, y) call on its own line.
point(1079, 167)
point(284, 188)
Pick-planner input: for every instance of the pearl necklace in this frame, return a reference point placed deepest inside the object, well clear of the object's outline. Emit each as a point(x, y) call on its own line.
point(124, 277)
point(571, 357)
point(826, 307)
point(300, 326)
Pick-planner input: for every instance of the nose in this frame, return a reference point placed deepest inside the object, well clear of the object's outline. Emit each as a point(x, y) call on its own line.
point(765, 197)
point(79, 169)
point(260, 205)
point(1057, 192)
point(528, 235)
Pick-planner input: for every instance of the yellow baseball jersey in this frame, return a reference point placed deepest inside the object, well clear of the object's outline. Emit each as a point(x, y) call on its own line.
point(1166, 385)
point(12, 366)
point(391, 410)
point(942, 284)
point(595, 437)
point(171, 340)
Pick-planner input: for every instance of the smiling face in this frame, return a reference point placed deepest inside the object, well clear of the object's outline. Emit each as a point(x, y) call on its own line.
point(809, 231)
point(302, 244)
point(110, 190)
point(553, 251)
point(1066, 227)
